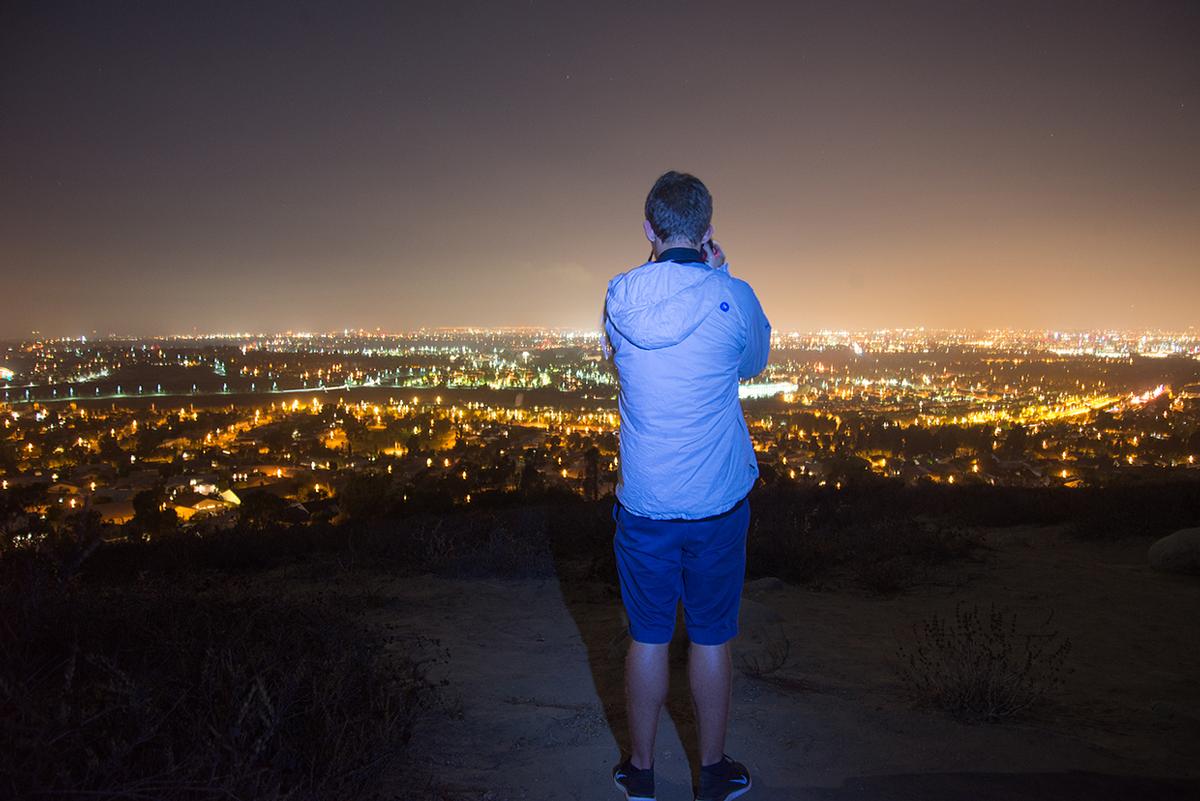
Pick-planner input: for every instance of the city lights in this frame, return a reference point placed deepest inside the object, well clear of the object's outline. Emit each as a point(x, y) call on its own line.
point(511, 406)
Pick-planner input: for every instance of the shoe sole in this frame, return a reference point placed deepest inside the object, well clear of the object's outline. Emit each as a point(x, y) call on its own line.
point(735, 793)
point(629, 797)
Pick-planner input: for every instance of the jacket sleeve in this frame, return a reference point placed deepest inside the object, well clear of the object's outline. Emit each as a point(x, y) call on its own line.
point(758, 332)
point(607, 337)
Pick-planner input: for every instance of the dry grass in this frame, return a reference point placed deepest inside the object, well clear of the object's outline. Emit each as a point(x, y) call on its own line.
point(140, 694)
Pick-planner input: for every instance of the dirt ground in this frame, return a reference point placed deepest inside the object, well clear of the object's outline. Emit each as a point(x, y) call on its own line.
point(533, 705)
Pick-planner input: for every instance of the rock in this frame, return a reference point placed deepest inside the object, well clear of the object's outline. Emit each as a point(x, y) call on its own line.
point(1178, 552)
point(766, 584)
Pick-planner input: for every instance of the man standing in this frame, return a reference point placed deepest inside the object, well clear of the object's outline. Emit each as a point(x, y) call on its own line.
point(681, 332)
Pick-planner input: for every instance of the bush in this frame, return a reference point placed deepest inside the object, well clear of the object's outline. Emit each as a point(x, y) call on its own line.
point(488, 543)
point(1145, 510)
point(497, 539)
point(159, 694)
point(806, 537)
point(981, 667)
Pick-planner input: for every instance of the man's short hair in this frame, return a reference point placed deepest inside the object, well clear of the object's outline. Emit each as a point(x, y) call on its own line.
point(679, 206)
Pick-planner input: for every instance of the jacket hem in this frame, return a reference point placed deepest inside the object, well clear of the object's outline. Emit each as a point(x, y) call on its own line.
point(692, 514)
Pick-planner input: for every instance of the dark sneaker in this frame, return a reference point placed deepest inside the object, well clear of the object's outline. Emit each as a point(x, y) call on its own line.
point(723, 781)
point(637, 785)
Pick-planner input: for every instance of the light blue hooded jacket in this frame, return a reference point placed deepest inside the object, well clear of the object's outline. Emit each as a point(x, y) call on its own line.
point(681, 334)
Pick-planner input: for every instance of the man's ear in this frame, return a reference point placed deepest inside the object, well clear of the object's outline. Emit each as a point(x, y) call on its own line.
point(649, 229)
point(707, 235)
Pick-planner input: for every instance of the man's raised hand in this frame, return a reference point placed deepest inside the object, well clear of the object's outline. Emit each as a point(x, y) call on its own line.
point(713, 255)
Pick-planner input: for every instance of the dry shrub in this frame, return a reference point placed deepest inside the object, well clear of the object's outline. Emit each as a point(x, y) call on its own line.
point(133, 694)
point(759, 664)
point(983, 666)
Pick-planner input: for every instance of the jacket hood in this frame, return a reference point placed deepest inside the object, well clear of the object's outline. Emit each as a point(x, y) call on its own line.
point(660, 303)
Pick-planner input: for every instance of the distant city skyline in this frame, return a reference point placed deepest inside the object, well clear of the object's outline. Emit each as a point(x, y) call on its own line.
point(1162, 341)
point(176, 168)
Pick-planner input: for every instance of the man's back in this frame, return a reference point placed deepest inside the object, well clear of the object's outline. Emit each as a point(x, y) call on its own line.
point(683, 333)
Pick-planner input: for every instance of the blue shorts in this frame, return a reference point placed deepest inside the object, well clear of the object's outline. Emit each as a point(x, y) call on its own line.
point(701, 561)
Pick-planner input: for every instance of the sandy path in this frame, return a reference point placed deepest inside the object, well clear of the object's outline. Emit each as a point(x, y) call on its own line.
point(535, 670)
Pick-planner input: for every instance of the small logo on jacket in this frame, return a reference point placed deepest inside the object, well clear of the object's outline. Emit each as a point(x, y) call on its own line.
point(724, 306)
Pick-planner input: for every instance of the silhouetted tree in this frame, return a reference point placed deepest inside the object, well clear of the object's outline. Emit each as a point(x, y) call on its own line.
point(591, 473)
point(81, 536)
point(366, 496)
point(1014, 442)
point(261, 510)
point(148, 515)
point(531, 477)
point(110, 451)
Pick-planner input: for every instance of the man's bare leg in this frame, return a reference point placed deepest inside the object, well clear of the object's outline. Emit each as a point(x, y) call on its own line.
point(710, 673)
point(646, 680)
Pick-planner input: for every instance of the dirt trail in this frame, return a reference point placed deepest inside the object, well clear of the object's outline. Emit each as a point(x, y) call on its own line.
point(534, 668)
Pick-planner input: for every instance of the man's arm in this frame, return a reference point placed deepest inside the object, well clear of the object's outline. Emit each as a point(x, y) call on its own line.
point(758, 332)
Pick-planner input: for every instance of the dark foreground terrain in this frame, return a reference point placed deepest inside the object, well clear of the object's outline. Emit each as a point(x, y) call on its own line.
point(895, 644)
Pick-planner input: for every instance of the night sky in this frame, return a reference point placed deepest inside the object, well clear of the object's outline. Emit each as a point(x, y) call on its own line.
point(176, 167)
